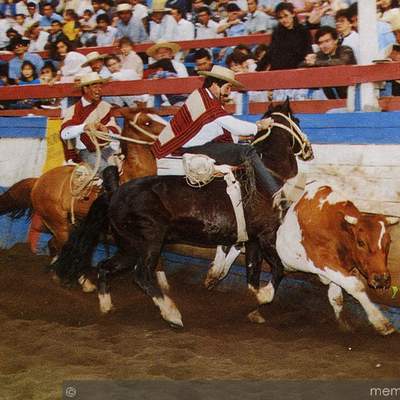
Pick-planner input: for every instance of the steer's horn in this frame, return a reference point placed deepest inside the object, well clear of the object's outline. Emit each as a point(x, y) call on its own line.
point(391, 220)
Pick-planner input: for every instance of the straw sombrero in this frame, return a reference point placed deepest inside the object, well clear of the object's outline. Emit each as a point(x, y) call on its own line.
point(222, 73)
point(93, 56)
point(91, 78)
point(159, 6)
point(124, 7)
point(151, 51)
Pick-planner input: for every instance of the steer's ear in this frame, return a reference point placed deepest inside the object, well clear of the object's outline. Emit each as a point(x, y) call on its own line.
point(350, 220)
point(391, 221)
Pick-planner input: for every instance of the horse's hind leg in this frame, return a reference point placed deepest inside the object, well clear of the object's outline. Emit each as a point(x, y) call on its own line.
point(154, 283)
point(107, 270)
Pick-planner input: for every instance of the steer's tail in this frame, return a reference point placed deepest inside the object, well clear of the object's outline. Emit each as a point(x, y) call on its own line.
point(16, 201)
point(76, 255)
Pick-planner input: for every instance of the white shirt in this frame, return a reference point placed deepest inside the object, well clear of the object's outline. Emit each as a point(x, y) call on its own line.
point(353, 40)
point(106, 38)
point(180, 69)
point(4, 27)
point(140, 11)
point(39, 43)
point(163, 30)
point(184, 30)
point(234, 126)
point(207, 32)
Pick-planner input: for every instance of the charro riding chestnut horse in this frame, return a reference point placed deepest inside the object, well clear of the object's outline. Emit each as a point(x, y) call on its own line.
point(49, 196)
point(147, 213)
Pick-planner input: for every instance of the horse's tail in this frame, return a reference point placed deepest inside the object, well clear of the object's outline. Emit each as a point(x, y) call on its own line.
point(17, 200)
point(76, 255)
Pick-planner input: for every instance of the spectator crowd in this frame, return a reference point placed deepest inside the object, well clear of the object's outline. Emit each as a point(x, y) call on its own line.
point(304, 34)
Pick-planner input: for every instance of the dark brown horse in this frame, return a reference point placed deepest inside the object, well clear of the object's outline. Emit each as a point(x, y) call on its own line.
point(145, 214)
point(49, 196)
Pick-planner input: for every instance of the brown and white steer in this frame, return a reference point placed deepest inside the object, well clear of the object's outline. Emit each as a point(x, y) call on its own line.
point(326, 235)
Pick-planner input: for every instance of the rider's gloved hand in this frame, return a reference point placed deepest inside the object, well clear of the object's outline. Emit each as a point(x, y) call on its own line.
point(264, 124)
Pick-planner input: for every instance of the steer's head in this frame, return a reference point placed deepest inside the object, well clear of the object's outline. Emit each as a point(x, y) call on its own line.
point(369, 242)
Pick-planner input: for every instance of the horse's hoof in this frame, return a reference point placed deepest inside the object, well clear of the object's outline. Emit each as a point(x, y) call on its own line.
point(55, 277)
point(266, 294)
point(87, 286)
point(256, 317)
point(175, 325)
point(105, 303)
point(387, 329)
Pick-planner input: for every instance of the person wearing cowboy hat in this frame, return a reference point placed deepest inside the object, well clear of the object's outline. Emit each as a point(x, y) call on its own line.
point(202, 126)
point(128, 25)
point(163, 50)
point(95, 61)
point(161, 24)
point(88, 114)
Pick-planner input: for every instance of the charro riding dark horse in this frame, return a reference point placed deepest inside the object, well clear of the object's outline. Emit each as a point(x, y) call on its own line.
point(145, 214)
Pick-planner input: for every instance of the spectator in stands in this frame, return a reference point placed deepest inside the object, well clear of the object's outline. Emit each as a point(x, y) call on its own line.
point(140, 11)
point(385, 7)
point(128, 25)
point(28, 76)
point(97, 9)
point(108, 7)
point(48, 17)
point(117, 73)
point(161, 24)
point(203, 60)
point(166, 50)
point(95, 61)
point(394, 20)
point(232, 25)
point(19, 47)
point(105, 34)
point(71, 67)
point(19, 24)
point(56, 34)
point(48, 73)
point(87, 29)
point(184, 29)
point(256, 21)
point(38, 38)
point(12, 34)
point(347, 37)
point(33, 14)
point(386, 38)
point(261, 57)
point(21, 7)
point(331, 53)
point(205, 27)
point(129, 58)
point(60, 48)
point(290, 41)
point(8, 9)
point(4, 27)
point(82, 6)
point(71, 27)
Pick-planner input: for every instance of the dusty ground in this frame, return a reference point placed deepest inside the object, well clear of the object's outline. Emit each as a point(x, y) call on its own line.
point(49, 334)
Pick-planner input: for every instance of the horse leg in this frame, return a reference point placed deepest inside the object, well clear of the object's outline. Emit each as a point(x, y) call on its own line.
point(335, 296)
point(154, 283)
point(221, 265)
point(107, 270)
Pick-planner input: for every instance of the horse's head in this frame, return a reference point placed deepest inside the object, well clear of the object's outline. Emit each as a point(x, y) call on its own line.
point(142, 127)
point(287, 125)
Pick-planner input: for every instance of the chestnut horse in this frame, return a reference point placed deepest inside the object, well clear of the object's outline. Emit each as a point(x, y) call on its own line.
point(49, 196)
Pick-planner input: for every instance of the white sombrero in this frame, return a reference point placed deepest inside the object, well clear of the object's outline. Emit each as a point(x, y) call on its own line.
point(151, 51)
point(93, 56)
point(91, 78)
point(224, 74)
point(124, 7)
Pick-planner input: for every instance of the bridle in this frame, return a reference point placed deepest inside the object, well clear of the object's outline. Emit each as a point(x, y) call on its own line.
point(296, 133)
point(135, 125)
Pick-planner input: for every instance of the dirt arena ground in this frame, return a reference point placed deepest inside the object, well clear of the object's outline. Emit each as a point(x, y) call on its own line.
point(49, 334)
